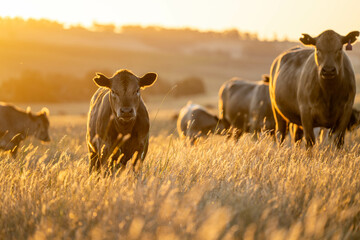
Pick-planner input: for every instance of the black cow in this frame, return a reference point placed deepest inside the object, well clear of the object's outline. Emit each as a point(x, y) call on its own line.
point(16, 125)
point(118, 121)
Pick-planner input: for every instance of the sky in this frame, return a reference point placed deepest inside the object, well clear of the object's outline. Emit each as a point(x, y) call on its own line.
point(268, 18)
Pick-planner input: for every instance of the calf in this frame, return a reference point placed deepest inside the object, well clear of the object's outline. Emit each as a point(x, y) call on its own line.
point(194, 121)
point(118, 121)
point(16, 125)
point(245, 106)
point(314, 87)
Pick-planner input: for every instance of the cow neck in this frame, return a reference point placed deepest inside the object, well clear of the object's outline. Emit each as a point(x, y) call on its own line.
point(331, 93)
point(331, 87)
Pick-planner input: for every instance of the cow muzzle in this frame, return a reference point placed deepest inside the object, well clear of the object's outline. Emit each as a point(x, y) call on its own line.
point(328, 73)
point(126, 114)
point(46, 139)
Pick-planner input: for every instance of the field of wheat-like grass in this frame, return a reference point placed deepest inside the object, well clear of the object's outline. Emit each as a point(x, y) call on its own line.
point(217, 189)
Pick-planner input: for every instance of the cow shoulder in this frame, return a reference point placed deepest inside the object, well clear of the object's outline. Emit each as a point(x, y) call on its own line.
point(100, 113)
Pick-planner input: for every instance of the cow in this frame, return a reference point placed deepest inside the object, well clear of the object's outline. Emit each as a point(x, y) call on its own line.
point(194, 121)
point(314, 87)
point(118, 121)
point(245, 106)
point(16, 125)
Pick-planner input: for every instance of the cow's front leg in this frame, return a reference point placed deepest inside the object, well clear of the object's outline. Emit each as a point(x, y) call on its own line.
point(339, 131)
point(94, 162)
point(307, 124)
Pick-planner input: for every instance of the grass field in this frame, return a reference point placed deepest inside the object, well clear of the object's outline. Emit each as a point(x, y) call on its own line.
point(215, 190)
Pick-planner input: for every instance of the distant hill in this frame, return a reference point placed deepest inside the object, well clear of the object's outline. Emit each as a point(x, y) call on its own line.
point(67, 58)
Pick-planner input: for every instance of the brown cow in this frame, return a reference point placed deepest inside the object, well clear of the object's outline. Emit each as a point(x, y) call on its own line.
point(194, 122)
point(118, 121)
point(245, 106)
point(314, 87)
point(16, 125)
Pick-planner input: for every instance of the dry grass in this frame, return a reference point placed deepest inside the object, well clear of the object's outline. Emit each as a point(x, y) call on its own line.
point(215, 190)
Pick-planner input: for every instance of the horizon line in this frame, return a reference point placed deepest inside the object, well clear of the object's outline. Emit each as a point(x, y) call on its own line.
point(117, 29)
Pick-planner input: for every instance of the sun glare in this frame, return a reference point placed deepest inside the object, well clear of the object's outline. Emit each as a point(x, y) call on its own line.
point(267, 18)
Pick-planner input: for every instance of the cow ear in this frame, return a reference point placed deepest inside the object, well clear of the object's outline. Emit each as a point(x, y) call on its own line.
point(147, 80)
point(307, 39)
point(45, 111)
point(265, 78)
point(351, 37)
point(101, 80)
point(29, 113)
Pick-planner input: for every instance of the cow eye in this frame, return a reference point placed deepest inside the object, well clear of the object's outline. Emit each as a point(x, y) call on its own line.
point(137, 92)
point(113, 94)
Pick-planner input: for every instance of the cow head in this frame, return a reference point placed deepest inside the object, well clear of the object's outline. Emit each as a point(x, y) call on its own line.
point(329, 51)
point(124, 89)
point(40, 124)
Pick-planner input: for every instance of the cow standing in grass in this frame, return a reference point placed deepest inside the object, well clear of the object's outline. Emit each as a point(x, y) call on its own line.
point(314, 87)
point(245, 106)
point(16, 125)
point(118, 121)
point(194, 122)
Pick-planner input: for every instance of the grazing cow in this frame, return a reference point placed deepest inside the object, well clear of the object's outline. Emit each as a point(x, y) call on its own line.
point(314, 87)
point(17, 124)
point(194, 121)
point(118, 121)
point(245, 106)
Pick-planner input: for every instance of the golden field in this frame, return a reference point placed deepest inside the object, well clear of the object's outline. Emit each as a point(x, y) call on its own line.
point(215, 190)
point(218, 189)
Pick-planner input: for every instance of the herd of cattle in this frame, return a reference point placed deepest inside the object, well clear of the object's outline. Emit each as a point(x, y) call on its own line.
point(307, 88)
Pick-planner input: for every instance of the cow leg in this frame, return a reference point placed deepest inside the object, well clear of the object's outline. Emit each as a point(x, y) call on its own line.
point(307, 124)
point(238, 129)
point(281, 126)
point(13, 145)
point(339, 139)
point(339, 132)
point(94, 162)
point(237, 133)
point(229, 133)
point(296, 133)
point(254, 127)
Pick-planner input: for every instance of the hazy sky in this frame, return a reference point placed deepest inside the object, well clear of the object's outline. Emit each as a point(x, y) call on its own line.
point(287, 18)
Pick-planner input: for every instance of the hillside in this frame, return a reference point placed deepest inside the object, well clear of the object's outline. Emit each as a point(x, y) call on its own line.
point(67, 58)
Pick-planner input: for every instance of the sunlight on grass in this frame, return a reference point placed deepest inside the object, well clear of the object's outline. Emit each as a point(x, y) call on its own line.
point(217, 189)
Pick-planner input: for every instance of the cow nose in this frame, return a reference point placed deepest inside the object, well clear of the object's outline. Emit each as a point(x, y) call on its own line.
point(126, 110)
point(328, 70)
